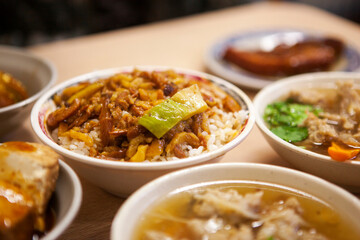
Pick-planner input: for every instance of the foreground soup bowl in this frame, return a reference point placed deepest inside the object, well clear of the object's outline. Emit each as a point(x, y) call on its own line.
point(67, 201)
point(128, 216)
point(36, 74)
point(122, 178)
point(345, 173)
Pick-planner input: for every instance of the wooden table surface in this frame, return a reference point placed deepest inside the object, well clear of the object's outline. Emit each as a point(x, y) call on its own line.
point(178, 43)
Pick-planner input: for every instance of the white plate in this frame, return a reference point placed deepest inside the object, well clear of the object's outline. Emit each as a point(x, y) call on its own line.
point(266, 41)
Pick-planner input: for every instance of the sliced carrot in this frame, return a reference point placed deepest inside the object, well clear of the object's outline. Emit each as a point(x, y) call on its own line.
point(342, 154)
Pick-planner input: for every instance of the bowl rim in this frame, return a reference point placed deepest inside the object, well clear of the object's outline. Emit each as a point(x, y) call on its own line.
point(75, 205)
point(127, 208)
point(145, 166)
point(47, 63)
point(287, 82)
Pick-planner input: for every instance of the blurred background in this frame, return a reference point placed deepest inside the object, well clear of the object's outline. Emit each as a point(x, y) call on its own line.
point(30, 22)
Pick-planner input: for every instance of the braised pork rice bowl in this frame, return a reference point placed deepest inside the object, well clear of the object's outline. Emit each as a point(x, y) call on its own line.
point(112, 118)
point(115, 123)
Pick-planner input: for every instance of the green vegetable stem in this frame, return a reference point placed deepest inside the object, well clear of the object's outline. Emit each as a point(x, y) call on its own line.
point(183, 105)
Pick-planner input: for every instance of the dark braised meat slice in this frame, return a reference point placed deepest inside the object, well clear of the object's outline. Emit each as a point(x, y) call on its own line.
point(113, 153)
point(62, 113)
point(135, 131)
point(197, 124)
point(169, 88)
point(231, 105)
point(179, 140)
point(106, 123)
point(81, 116)
point(306, 56)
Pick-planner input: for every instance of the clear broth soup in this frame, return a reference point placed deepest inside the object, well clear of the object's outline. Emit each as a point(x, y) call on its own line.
point(248, 208)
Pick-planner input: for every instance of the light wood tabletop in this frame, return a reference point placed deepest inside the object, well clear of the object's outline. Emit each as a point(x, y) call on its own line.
point(176, 43)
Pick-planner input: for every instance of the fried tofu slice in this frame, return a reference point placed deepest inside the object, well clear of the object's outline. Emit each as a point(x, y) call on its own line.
point(34, 169)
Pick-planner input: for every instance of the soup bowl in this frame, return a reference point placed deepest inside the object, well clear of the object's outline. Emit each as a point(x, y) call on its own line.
point(126, 221)
point(37, 76)
point(346, 173)
point(122, 178)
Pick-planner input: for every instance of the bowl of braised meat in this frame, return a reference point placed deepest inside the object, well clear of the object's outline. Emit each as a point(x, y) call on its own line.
point(255, 59)
point(312, 121)
point(120, 128)
point(40, 195)
point(238, 201)
point(23, 78)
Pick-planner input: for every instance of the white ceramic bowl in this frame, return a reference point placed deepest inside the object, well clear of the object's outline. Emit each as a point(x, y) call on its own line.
point(346, 173)
point(122, 178)
point(68, 197)
point(126, 219)
point(37, 76)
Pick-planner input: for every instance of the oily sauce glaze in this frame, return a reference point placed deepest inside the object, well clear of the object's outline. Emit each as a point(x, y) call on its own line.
point(20, 146)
